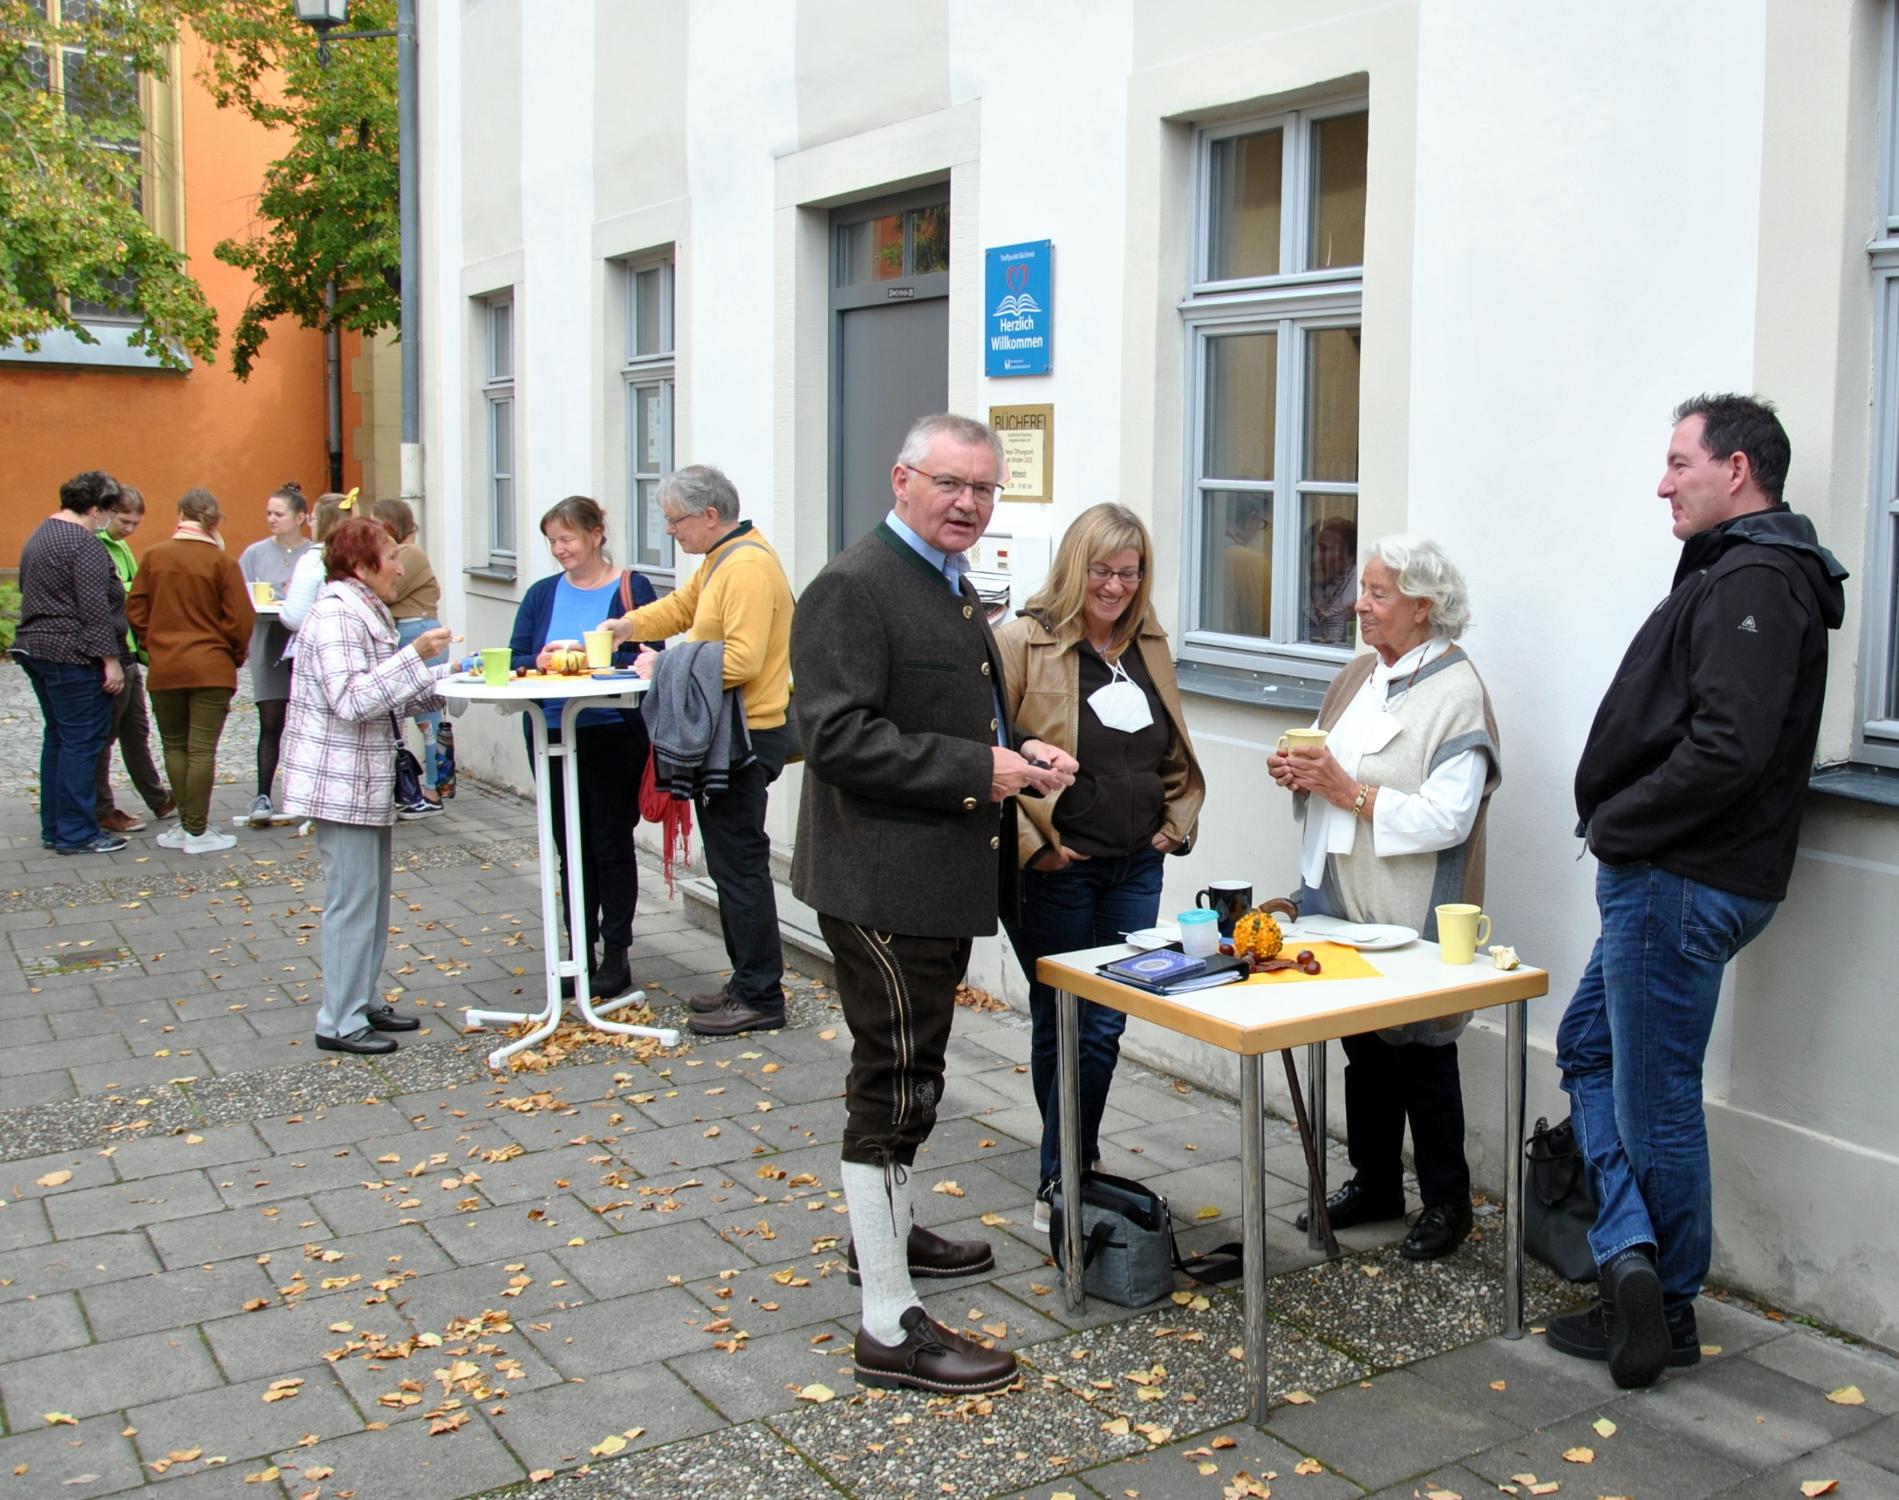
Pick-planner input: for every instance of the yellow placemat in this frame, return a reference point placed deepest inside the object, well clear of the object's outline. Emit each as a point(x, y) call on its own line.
point(1336, 961)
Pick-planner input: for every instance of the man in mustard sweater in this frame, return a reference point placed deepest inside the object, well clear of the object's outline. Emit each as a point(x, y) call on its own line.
point(740, 597)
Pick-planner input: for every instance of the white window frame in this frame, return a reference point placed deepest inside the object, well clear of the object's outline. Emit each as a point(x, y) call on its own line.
point(499, 403)
point(1292, 303)
point(1876, 740)
point(643, 373)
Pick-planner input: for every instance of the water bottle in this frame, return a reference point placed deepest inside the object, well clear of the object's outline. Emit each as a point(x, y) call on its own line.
point(445, 758)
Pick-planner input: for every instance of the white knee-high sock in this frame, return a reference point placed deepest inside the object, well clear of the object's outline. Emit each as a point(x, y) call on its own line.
point(880, 1202)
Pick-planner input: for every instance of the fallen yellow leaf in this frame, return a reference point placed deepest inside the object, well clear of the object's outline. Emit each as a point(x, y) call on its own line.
point(1308, 1466)
point(609, 1445)
point(1298, 1398)
point(816, 1394)
point(262, 1476)
point(949, 1189)
point(55, 1179)
point(1207, 1211)
point(1812, 1487)
point(994, 1220)
point(1604, 1427)
point(1579, 1455)
point(1499, 1385)
point(60, 1419)
point(1118, 1427)
point(539, 1476)
point(1223, 1441)
point(1847, 1395)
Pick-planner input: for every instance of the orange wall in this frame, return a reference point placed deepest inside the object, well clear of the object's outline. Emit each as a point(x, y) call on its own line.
point(166, 433)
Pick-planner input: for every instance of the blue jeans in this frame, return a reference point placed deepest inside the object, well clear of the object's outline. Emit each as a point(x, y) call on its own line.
point(1090, 903)
point(429, 723)
point(1631, 1046)
point(77, 713)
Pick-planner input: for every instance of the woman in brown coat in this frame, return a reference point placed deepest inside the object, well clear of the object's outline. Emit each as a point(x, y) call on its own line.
point(193, 616)
point(1088, 671)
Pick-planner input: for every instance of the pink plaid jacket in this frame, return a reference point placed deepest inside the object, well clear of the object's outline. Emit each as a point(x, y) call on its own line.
point(339, 746)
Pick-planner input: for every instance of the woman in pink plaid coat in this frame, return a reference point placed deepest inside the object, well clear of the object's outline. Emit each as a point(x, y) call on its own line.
point(352, 684)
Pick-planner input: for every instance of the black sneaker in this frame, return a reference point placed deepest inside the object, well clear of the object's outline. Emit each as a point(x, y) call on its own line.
point(105, 843)
point(1585, 1335)
point(1638, 1332)
point(413, 812)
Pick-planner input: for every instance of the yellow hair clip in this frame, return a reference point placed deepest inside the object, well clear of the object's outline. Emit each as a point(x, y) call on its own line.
point(348, 502)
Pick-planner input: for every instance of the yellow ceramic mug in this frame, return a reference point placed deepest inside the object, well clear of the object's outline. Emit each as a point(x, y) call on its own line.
point(1460, 928)
point(1301, 739)
point(599, 648)
point(263, 593)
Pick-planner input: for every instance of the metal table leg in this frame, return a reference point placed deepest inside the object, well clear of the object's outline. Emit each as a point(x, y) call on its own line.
point(1068, 1097)
point(1253, 1233)
point(1315, 1113)
point(1515, 1055)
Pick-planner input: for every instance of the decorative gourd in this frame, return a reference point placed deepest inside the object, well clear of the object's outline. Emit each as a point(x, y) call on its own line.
point(1257, 935)
point(567, 661)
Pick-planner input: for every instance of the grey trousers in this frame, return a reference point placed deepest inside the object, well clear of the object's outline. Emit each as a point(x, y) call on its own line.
point(356, 880)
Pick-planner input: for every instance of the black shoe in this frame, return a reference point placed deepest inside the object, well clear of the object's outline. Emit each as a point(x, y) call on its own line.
point(613, 977)
point(103, 843)
point(931, 1358)
point(734, 1017)
point(1440, 1229)
point(388, 1018)
point(1632, 1315)
point(1585, 1335)
point(1352, 1204)
point(364, 1041)
point(567, 980)
point(934, 1256)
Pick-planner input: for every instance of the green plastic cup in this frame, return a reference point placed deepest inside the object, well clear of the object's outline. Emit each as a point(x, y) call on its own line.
point(497, 666)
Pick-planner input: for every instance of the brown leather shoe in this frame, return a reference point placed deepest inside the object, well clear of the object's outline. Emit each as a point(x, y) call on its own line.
point(732, 1018)
point(705, 1004)
point(166, 809)
point(117, 821)
point(932, 1255)
point(931, 1358)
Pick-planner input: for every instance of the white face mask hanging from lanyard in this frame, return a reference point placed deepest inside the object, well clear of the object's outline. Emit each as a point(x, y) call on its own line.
point(1121, 704)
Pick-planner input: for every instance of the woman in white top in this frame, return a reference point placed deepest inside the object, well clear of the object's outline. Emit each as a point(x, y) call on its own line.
point(273, 560)
point(1393, 808)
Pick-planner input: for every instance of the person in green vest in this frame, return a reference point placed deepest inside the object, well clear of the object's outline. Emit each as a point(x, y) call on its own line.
point(131, 724)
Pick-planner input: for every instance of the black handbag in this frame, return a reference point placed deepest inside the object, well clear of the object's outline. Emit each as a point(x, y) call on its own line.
point(1558, 1208)
point(408, 771)
point(1128, 1253)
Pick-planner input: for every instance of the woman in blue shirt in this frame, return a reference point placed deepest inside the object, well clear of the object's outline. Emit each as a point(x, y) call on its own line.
point(559, 610)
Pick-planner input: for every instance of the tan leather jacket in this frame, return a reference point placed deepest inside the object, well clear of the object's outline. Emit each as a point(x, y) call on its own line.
point(1042, 696)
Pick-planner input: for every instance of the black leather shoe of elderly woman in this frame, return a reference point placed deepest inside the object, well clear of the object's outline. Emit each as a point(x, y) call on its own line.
point(388, 1018)
point(364, 1041)
point(1440, 1229)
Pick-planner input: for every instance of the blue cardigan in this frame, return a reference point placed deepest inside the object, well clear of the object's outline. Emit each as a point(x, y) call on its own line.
point(530, 634)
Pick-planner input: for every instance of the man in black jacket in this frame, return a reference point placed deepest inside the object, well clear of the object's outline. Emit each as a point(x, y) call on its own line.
point(1689, 792)
point(909, 779)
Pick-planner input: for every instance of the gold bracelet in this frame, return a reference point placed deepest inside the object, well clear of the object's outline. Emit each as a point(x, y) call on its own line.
point(1358, 806)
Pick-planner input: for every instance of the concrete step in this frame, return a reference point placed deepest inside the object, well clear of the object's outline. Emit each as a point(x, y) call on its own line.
point(805, 948)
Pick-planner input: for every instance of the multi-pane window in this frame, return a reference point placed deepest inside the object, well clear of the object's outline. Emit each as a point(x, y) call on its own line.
point(497, 391)
point(646, 374)
point(1878, 741)
point(1272, 318)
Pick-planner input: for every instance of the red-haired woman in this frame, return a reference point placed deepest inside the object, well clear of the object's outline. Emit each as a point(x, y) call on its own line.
point(353, 681)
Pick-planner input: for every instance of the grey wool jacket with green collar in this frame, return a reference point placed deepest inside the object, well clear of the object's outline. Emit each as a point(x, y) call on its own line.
point(897, 710)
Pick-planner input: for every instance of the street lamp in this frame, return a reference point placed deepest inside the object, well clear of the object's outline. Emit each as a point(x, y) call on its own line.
point(324, 17)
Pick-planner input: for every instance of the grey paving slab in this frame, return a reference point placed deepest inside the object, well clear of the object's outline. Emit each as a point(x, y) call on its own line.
point(558, 1426)
point(646, 1255)
point(270, 1179)
point(306, 1131)
point(1387, 1429)
point(141, 1075)
point(285, 1336)
point(223, 1236)
point(40, 1088)
point(1734, 1327)
point(1877, 1444)
point(237, 1421)
point(495, 1366)
point(108, 1377)
point(1205, 1464)
point(1749, 1415)
point(244, 1482)
point(174, 1299)
point(42, 1325)
point(1853, 1477)
point(90, 1458)
point(23, 1224)
point(1539, 1385)
point(622, 1331)
point(150, 1200)
point(406, 1463)
point(69, 1172)
point(764, 1375)
point(1452, 1479)
point(1636, 1460)
point(206, 1149)
point(1827, 1364)
point(107, 1047)
point(519, 1288)
point(62, 1266)
point(516, 1229)
point(758, 1303)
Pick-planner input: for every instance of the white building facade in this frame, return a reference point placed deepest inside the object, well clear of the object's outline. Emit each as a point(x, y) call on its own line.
point(1324, 270)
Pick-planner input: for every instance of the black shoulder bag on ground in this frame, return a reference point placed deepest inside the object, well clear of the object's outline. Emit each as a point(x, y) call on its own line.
point(1128, 1253)
point(1558, 1209)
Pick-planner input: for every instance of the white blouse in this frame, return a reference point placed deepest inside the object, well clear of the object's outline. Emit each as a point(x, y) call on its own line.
point(1439, 815)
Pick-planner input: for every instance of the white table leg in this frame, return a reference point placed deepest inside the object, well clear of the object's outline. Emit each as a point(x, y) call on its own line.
point(1253, 1233)
point(1068, 1097)
point(1515, 1054)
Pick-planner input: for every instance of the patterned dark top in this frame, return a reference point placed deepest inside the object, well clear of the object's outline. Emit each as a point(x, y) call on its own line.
point(72, 605)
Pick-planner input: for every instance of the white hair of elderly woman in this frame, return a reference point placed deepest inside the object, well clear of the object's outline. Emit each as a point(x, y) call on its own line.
point(1424, 571)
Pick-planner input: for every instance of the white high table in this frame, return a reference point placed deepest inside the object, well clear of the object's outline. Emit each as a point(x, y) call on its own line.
point(1253, 1020)
point(525, 695)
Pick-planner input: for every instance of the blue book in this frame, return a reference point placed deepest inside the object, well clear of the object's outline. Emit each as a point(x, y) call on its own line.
point(1162, 966)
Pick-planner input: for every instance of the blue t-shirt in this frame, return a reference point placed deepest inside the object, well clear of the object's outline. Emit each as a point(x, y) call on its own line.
point(576, 611)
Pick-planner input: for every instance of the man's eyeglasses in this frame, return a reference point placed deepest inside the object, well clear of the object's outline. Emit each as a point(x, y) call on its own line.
point(949, 487)
point(1101, 573)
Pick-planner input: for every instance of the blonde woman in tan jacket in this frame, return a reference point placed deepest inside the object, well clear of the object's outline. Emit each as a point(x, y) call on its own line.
point(1088, 670)
point(193, 616)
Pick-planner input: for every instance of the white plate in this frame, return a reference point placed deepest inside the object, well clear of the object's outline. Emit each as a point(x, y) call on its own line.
point(1150, 938)
point(1368, 936)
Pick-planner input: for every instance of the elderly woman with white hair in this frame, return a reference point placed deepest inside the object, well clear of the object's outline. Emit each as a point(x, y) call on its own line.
point(1394, 808)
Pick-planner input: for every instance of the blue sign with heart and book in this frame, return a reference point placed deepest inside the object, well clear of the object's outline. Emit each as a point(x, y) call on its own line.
point(1018, 308)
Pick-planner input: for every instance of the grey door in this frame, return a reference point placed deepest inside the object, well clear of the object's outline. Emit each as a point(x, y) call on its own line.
point(890, 349)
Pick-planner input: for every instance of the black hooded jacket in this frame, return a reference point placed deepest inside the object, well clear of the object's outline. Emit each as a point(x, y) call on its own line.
point(1699, 756)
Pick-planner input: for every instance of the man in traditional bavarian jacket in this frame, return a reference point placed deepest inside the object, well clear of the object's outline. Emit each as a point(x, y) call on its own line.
point(910, 775)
